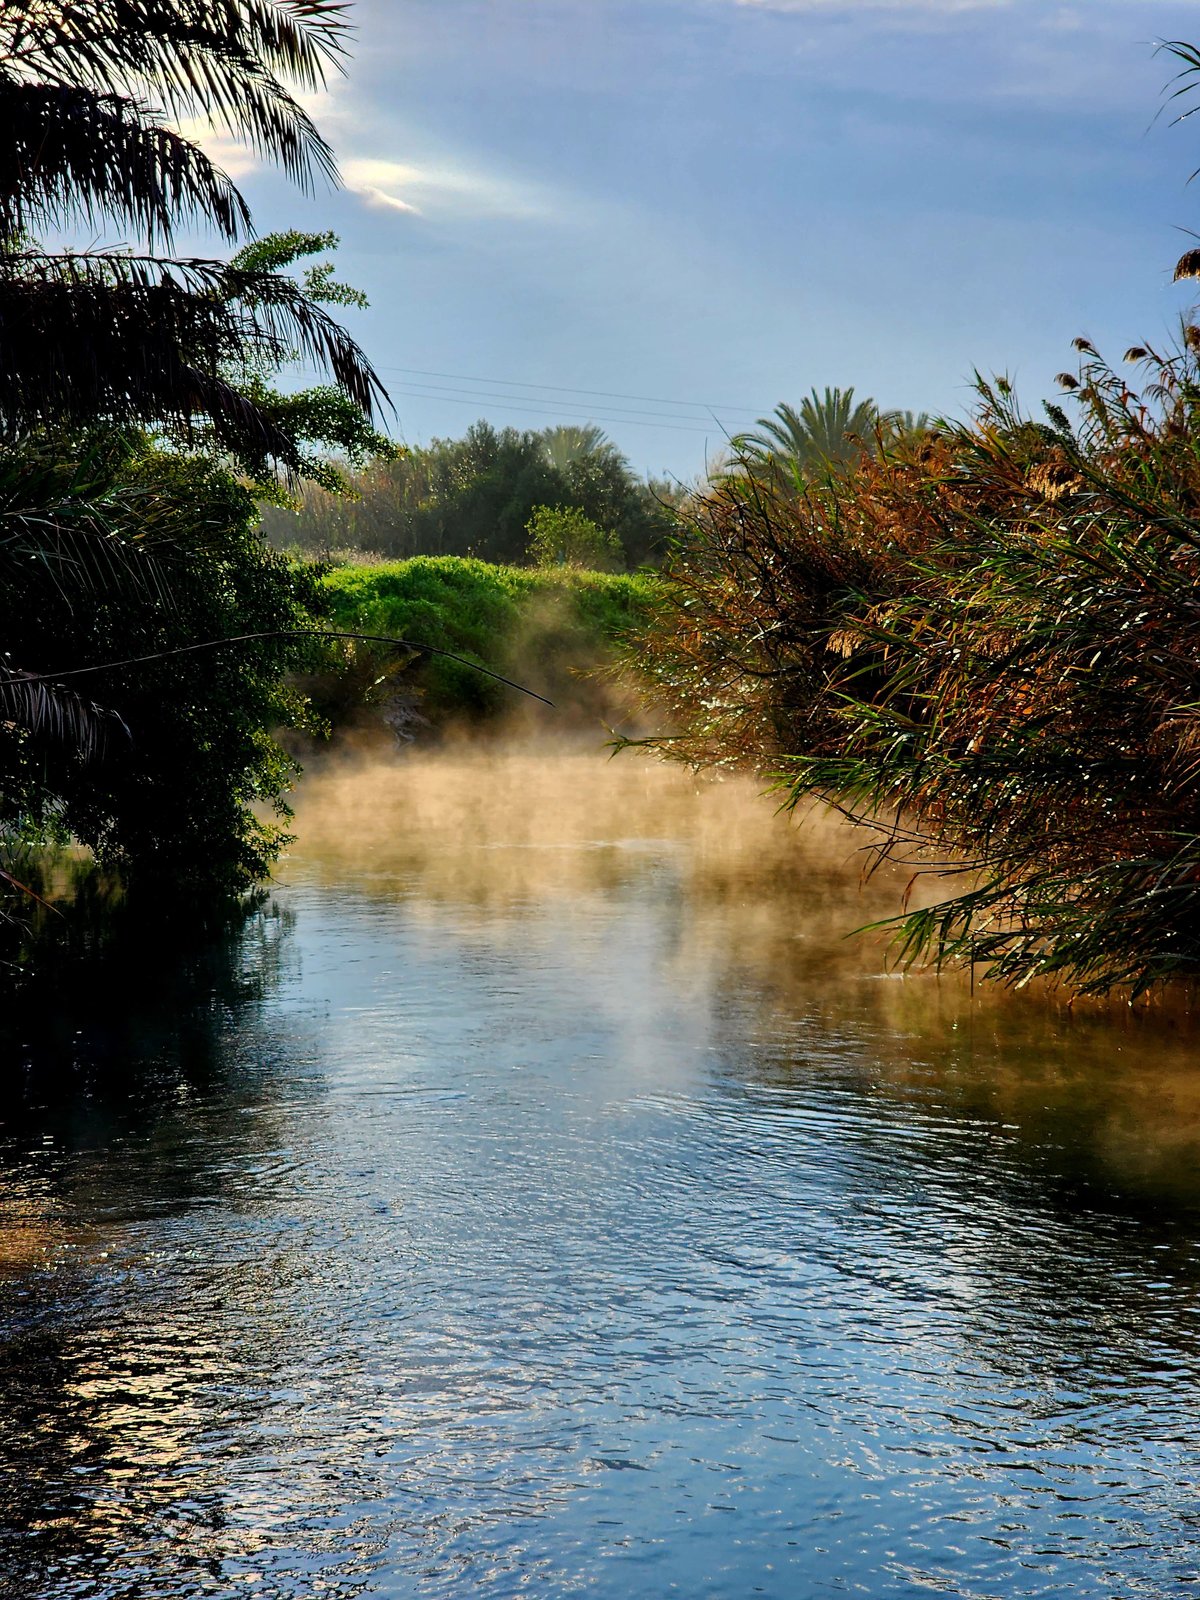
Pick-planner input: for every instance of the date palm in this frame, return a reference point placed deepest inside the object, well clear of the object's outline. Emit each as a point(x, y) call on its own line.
point(569, 444)
point(827, 428)
point(92, 93)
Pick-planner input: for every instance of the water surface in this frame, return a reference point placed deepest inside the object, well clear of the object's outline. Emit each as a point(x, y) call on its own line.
point(542, 1196)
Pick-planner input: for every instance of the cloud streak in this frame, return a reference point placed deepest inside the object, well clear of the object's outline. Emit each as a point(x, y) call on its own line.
point(445, 188)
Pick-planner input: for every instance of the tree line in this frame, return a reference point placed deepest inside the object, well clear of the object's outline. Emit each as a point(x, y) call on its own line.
point(480, 495)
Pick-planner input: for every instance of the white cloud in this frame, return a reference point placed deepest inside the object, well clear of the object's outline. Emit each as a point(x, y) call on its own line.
point(231, 155)
point(383, 200)
point(439, 187)
point(377, 181)
point(444, 188)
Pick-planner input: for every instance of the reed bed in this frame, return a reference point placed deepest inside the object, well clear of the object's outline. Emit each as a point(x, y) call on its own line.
point(982, 643)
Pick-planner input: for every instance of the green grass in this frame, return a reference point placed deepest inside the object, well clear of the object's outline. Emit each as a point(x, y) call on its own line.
point(542, 626)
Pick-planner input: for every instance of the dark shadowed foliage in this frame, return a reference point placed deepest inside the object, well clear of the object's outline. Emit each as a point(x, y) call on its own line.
point(110, 548)
point(88, 95)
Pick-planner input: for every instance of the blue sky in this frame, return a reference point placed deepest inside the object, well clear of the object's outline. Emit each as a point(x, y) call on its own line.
point(719, 204)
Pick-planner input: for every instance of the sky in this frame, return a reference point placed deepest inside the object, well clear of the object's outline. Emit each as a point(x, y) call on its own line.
point(668, 216)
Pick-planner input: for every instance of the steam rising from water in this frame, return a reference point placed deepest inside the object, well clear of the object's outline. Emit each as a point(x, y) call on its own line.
point(547, 844)
point(493, 824)
point(568, 1206)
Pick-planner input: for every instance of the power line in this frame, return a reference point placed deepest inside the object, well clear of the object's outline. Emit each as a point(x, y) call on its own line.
point(554, 411)
point(623, 412)
point(556, 388)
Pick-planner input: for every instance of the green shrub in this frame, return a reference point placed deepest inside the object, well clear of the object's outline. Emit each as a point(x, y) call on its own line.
point(110, 550)
point(539, 626)
point(562, 536)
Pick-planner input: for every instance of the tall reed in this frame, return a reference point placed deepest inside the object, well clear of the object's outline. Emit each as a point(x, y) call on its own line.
point(984, 644)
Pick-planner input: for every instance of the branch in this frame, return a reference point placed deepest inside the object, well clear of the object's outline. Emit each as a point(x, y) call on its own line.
point(291, 633)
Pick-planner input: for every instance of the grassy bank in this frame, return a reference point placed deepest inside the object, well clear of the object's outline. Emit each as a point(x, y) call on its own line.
point(553, 630)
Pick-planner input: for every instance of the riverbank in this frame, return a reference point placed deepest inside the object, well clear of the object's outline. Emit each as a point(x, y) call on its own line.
point(555, 631)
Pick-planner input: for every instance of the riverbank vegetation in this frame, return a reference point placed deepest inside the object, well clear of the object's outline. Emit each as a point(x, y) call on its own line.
point(553, 628)
point(141, 425)
point(982, 641)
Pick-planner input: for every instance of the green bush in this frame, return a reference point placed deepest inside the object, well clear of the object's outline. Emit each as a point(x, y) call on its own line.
point(562, 536)
point(111, 549)
point(539, 626)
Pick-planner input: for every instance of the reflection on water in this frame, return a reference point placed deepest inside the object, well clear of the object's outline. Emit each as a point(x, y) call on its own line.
point(544, 1196)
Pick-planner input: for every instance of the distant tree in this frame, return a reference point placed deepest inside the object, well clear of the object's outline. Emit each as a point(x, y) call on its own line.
point(828, 428)
point(599, 480)
point(568, 444)
point(475, 496)
point(901, 425)
point(563, 536)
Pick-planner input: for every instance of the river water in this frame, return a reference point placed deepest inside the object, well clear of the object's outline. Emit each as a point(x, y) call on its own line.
point(542, 1196)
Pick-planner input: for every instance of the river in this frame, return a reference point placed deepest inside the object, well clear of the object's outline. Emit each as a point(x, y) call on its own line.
point(541, 1196)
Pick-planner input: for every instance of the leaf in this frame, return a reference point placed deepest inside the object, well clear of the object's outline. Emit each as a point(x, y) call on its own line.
point(52, 715)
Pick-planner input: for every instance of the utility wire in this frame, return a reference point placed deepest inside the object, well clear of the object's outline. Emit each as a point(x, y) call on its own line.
point(277, 633)
point(498, 403)
point(623, 412)
point(558, 388)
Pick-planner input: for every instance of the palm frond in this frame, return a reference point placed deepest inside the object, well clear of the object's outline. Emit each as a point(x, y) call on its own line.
point(69, 154)
point(226, 60)
point(827, 429)
point(138, 339)
point(77, 536)
point(52, 715)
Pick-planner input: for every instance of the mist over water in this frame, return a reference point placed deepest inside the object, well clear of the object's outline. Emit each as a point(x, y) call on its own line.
point(543, 1195)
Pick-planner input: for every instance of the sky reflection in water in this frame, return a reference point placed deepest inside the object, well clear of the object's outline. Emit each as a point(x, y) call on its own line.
point(543, 1196)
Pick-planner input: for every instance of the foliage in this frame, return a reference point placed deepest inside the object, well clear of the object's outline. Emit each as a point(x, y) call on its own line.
point(111, 548)
point(828, 430)
point(537, 625)
point(89, 95)
point(474, 496)
point(316, 421)
point(118, 541)
point(92, 519)
point(985, 642)
point(562, 536)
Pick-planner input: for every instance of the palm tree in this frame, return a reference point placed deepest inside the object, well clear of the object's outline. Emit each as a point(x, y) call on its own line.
point(569, 444)
point(89, 93)
point(92, 97)
point(828, 428)
point(901, 425)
